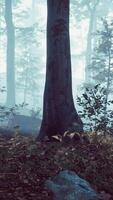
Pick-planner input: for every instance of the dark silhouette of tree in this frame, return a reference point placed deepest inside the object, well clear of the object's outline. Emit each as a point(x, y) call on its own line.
point(10, 54)
point(59, 113)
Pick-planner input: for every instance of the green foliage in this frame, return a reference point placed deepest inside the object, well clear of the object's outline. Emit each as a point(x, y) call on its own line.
point(94, 110)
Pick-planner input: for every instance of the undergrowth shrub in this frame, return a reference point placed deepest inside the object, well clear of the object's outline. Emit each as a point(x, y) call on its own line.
point(95, 111)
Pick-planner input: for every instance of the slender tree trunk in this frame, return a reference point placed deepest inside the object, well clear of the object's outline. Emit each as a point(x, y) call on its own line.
point(33, 12)
point(108, 81)
point(107, 91)
point(90, 43)
point(26, 83)
point(89, 49)
point(10, 54)
point(59, 113)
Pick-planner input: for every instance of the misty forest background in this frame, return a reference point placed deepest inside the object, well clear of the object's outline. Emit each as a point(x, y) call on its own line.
point(23, 59)
point(39, 93)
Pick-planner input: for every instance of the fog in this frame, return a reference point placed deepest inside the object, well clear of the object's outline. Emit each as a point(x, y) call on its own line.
point(29, 20)
point(38, 14)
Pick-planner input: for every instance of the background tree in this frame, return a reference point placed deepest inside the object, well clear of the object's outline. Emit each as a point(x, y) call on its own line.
point(91, 12)
point(59, 113)
point(102, 64)
point(10, 54)
point(92, 7)
point(28, 73)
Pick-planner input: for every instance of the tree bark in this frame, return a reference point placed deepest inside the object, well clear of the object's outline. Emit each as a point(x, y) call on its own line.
point(59, 113)
point(10, 54)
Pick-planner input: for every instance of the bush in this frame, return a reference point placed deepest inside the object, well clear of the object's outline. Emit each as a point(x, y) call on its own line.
point(95, 110)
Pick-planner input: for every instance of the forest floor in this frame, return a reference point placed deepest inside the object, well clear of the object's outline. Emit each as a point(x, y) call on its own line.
point(26, 164)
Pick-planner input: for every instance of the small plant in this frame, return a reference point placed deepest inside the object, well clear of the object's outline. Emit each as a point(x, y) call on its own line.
point(95, 110)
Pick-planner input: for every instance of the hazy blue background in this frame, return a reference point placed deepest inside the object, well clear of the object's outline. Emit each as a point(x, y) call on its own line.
point(30, 13)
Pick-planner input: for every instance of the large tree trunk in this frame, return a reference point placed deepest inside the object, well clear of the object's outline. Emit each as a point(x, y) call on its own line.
point(59, 113)
point(10, 54)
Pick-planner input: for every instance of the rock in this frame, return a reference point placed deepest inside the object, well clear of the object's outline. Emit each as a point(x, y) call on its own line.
point(69, 186)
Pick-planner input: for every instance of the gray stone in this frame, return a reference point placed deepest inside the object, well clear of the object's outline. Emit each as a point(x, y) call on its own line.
point(69, 186)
